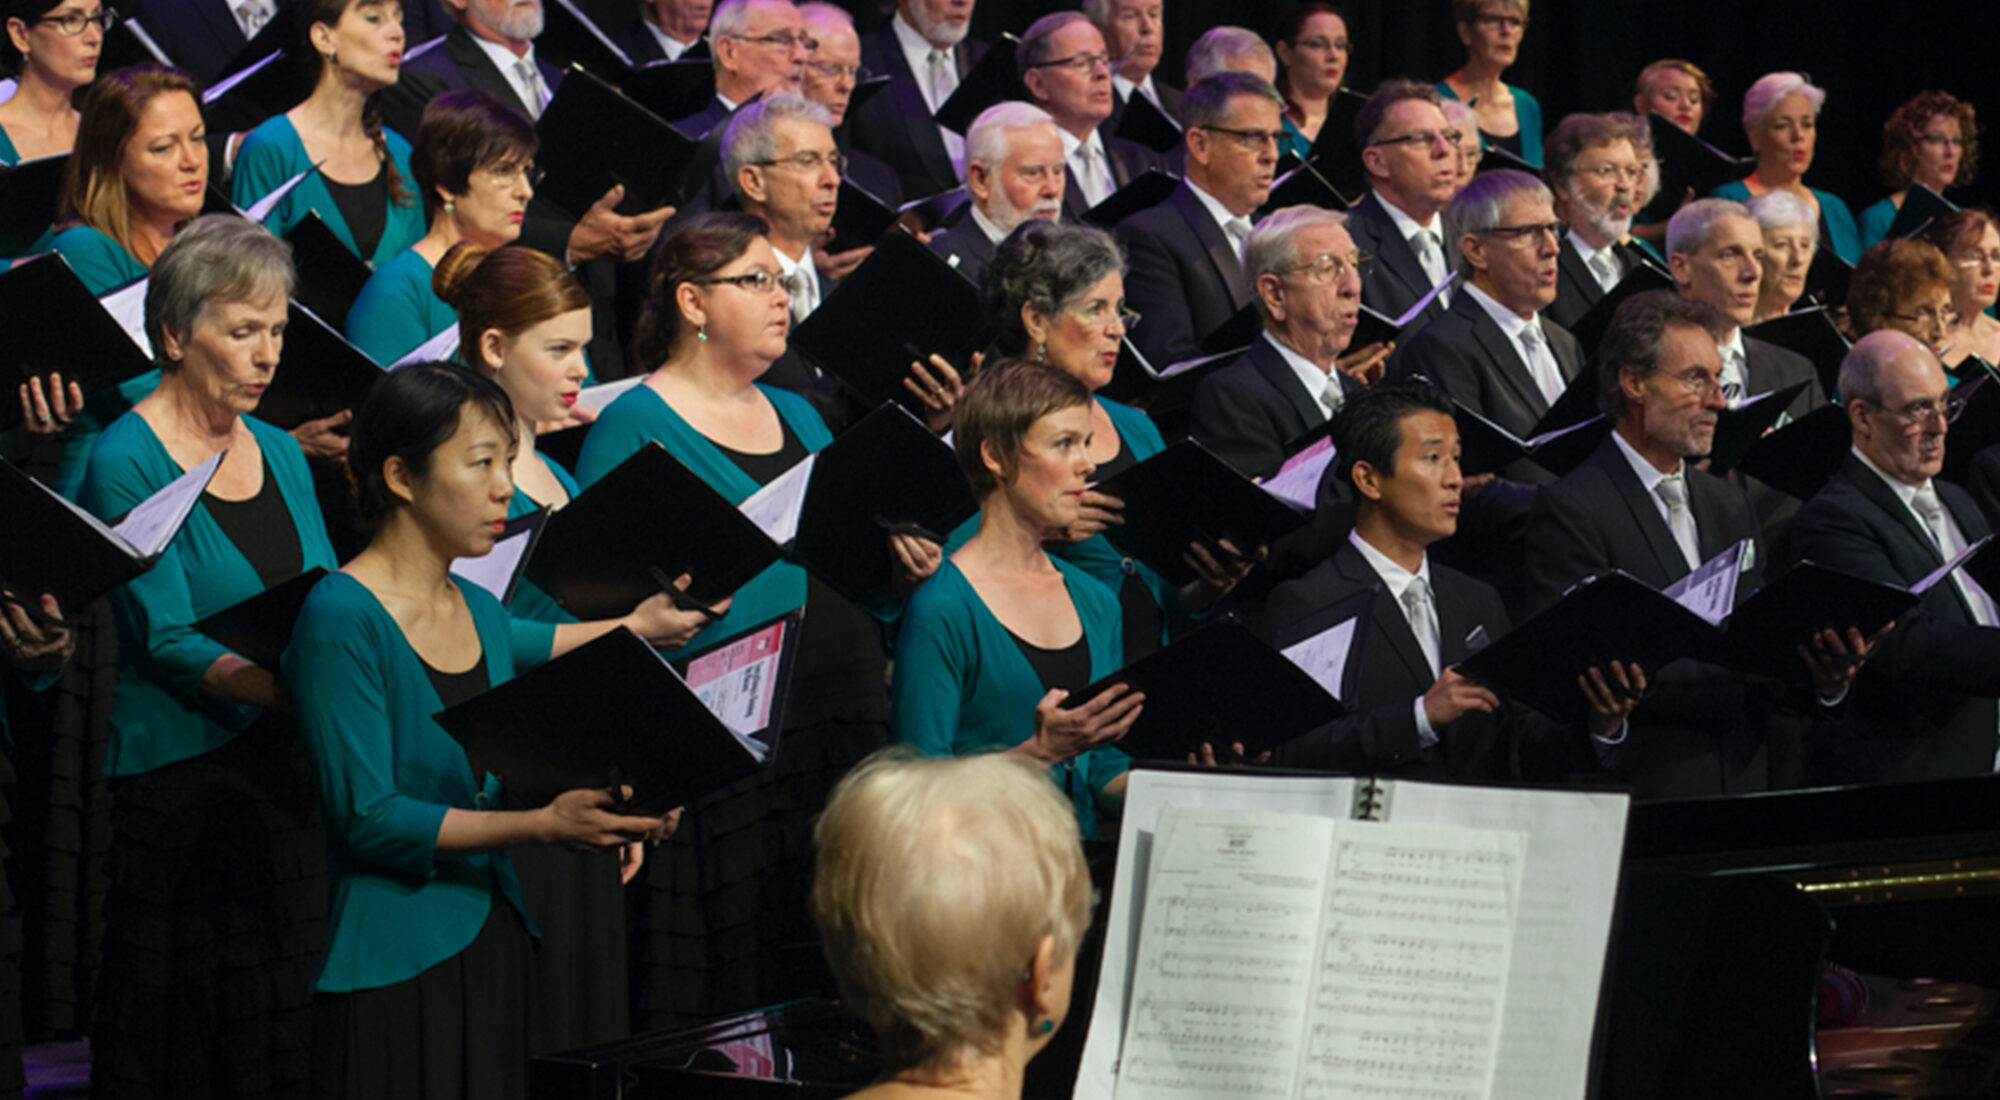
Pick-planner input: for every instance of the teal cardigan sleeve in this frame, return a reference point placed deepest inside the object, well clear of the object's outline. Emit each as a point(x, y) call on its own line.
point(529, 601)
point(271, 154)
point(1838, 221)
point(1875, 222)
point(102, 263)
point(1528, 112)
point(396, 310)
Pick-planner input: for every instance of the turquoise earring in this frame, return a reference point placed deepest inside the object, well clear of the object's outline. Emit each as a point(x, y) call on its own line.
point(1048, 1026)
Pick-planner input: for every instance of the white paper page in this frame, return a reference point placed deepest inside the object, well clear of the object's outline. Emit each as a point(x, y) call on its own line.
point(1411, 979)
point(127, 306)
point(495, 568)
point(218, 90)
point(1568, 887)
point(1297, 481)
point(1225, 959)
point(738, 683)
point(1560, 432)
point(261, 209)
point(152, 523)
point(1149, 792)
point(599, 397)
point(442, 348)
point(1710, 590)
point(1945, 570)
point(1414, 311)
point(1324, 656)
point(776, 507)
point(1186, 365)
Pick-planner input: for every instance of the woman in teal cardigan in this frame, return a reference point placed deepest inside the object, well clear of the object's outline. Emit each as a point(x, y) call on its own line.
point(993, 645)
point(51, 56)
point(1933, 140)
point(425, 987)
point(1510, 119)
point(1781, 116)
point(351, 50)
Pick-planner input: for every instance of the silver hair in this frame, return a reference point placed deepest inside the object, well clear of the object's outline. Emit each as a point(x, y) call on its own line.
point(1273, 245)
point(1208, 101)
point(1098, 11)
point(1035, 48)
point(1772, 89)
point(730, 19)
point(1479, 205)
point(820, 9)
point(1782, 210)
point(988, 141)
point(1212, 52)
point(220, 258)
point(752, 136)
point(1688, 229)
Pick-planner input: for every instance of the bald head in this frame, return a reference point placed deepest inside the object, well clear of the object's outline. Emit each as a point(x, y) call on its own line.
point(1896, 395)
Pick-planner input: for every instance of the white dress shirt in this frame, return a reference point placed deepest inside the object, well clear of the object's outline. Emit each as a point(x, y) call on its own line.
point(1540, 359)
point(1236, 228)
point(805, 278)
point(1609, 271)
point(669, 45)
point(1408, 227)
point(1322, 384)
point(1396, 579)
point(1074, 154)
point(917, 51)
point(505, 60)
point(251, 15)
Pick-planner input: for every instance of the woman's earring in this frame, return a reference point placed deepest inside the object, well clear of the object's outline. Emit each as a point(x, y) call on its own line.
point(701, 334)
point(1048, 1026)
point(448, 206)
point(1042, 352)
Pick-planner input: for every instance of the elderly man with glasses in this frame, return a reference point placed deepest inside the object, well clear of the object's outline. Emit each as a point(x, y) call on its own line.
point(759, 47)
point(1410, 153)
point(1596, 169)
point(831, 74)
point(1067, 71)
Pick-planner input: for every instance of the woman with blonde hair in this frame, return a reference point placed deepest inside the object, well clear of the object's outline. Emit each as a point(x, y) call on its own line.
point(1781, 117)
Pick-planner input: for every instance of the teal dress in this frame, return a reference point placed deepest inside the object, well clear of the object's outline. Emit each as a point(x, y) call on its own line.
point(387, 774)
point(273, 153)
point(1527, 112)
point(104, 266)
point(530, 602)
point(962, 685)
point(161, 715)
point(1293, 142)
point(396, 310)
point(8, 154)
point(1874, 223)
point(640, 416)
point(1836, 222)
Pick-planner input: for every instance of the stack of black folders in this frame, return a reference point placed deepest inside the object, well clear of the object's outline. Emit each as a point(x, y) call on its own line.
point(50, 322)
point(903, 304)
point(1559, 441)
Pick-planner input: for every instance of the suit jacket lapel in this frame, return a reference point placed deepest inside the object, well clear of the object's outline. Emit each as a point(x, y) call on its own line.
point(1388, 613)
point(1571, 269)
point(1882, 496)
point(1270, 363)
point(1512, 372)
point(480, 70)
point(1075, 203)
point(1221, 253)
point(222, 21)
point(1394, 253)
point(1645, 513)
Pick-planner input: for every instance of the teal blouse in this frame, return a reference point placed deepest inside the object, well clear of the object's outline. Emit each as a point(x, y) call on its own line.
point(8, 154)
point(387, 774)
point(1527, 112)
point(273, 153)
point(396, 310)
point(1835, 219)
point(1874, 223)
point(159, 714)
point(961, 685)
point(104, 266)
point(1293, 141)
point(530, 602)
point(640, 416)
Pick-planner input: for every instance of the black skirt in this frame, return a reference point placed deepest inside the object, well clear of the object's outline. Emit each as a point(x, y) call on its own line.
point(457, 1031)
point(581, 977)
point(214, 925)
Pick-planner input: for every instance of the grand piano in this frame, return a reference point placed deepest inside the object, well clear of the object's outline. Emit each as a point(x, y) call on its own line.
point(1830, 944)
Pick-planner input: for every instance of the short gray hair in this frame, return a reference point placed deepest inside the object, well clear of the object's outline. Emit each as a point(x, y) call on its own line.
point(1035, 49)
point(1782, 210)
point(731, 18)
point(1688, 229)
point(821, 9)
point(219, 258)
point(1206, 102)
point(1272, 248)
point(1477, 208)
point(1211, 53)
point(1772, 89)
point(1637, 339)
point(988, 141)
point(752, 137)
point(1047, 266)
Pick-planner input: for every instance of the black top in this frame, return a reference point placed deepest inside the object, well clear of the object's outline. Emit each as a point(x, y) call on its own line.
point(365, 208)
point(454, 688)
point(1511, 143)
point(1067, 668)
point(1120, 462)
point(765, 468)
point(262, 531)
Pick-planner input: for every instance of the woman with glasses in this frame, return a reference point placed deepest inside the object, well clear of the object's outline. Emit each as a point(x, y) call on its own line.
point(1905, 285)
point(1313, 52)
point(1781, 117)
point(1970, 241)
point(1931, 140)
point(716, 317)
point(1509, 118)
point(352, 50)
point(50, 51)
point(474, 166)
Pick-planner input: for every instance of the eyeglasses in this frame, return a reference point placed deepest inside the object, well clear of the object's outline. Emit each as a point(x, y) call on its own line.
point(1099, 313)
point(1423, 139)
point(1527, 233)
point(1936, 141)
point(785, 39)
point(72, 23)
point(809, 162)
point(508, 173)
point(1929, 317)
point(1979, 259)
point(1249, 139)
point(1326, 268)
point(831, 70)
point(1631, 173)
point(1919, 414)
point(756, 282)
point(1322, 45)
point(1697, 383)
point(1079, 63)
point(1511, 22)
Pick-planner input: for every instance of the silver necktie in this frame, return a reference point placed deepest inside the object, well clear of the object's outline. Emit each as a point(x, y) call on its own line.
point(1680, 520)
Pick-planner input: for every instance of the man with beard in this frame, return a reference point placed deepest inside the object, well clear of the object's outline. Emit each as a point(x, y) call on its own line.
point(1596, 172)
point(759, 47)
point(1013, 172)
point(1064, 65)
point(830, 76)
point(924, 52)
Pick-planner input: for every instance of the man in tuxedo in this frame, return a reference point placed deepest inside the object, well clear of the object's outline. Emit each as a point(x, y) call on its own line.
point(1410, 710)
point(924, 52)
point(830, 77)
point(1067, 72)
point(760, 47)
point(1411, 156)
point(1185, 255)
point(1639, 505)
point(1926, 706)
point(1713, 250)
point(666, 30)
point(1013, 172)
point(1595, 171)
point(1134, 31)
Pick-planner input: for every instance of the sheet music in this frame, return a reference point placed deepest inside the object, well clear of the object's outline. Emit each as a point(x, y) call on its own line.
point(261, 209)
point(494, 570)
point(777, 506)
point(127, 306)
point(739, 683)
point(1324, 656)
point(152, 523)
point(599, 397)
point(442, 348)
point(1710, 591)
point(1945, 570)
point(1297, 481)
point(222, 88)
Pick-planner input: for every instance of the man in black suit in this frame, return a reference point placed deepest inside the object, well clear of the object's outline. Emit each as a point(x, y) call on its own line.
point(666, 30)
point(1134, 30)
point(1594, 169)
point(1411, 155)
point(760, 48)
point(1410, 710)
point(1185, 255)
point(924, 52)
point(1067, 72)
point(1638, 505)
point(1926, 706)
point(1013, 172)
point(830, 76)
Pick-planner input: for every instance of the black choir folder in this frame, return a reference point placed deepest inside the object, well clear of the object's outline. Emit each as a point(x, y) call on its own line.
point(1739, 429)
point(319, 373)
point(1185, 495)
point(1560, 440)
point(30, 195)
point(50, 322)
point(593, 137)
point(613, 711)
point(48, 544)
point(1812, 333)
point(1304, 935)
point(1590, 328)
point(901, 305)
point(259, 628)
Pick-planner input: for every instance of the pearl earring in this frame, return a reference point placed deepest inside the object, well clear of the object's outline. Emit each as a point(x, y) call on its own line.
point(701, 334)
point(448, 207)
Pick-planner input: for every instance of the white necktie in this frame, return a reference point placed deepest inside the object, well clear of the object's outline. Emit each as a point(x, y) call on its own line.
point(1090, 174)
point(531, 81)
point(1735, 374)
point(940, 82)
point(252, 17)
point(1605, 268)
point(1332, 395)
point(1431, 255)
point(1673, 490)
point(1422, 613)
point(1951, 545)
point(805, 291)
point(1238, 228)
point(1542, 363)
